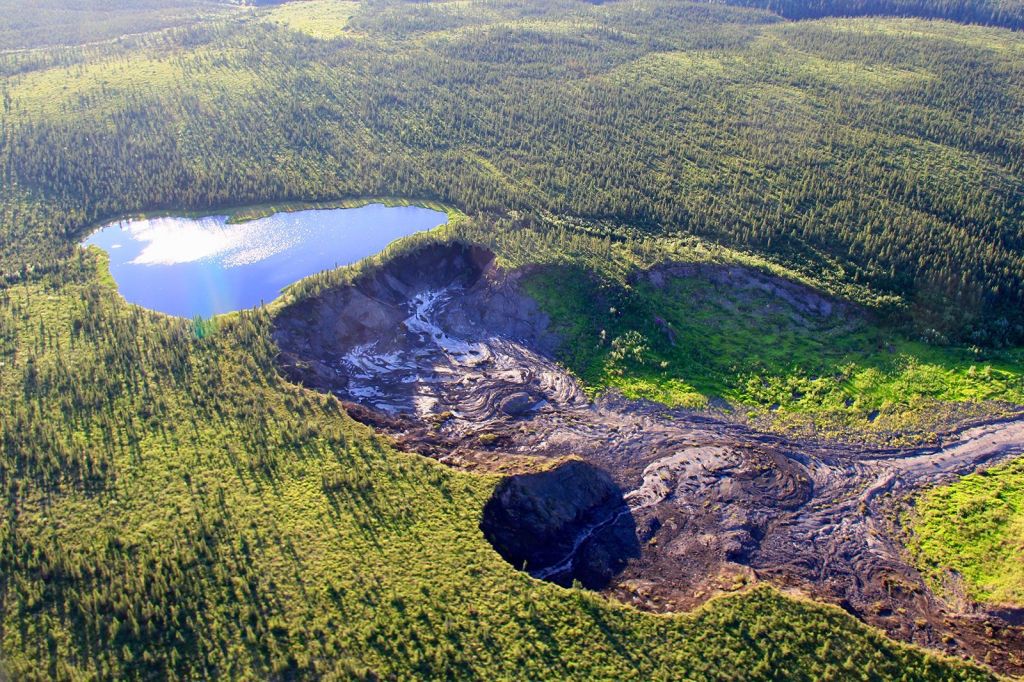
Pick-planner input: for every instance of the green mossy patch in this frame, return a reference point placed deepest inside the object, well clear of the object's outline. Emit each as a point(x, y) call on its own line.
point(969, 534)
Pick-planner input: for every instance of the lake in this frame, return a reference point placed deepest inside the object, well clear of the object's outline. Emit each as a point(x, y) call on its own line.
point(206, 266)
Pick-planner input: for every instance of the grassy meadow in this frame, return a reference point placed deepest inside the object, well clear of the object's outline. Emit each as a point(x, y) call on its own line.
point(968, 535)
point(694, 343)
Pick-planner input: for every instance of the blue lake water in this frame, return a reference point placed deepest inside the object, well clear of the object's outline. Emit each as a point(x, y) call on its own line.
point(204, 266)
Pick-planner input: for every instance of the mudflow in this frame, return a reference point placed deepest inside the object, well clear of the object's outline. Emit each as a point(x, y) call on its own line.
point(660, 508)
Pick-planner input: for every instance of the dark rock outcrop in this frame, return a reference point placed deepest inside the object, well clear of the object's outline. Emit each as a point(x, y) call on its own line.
point(567, 523)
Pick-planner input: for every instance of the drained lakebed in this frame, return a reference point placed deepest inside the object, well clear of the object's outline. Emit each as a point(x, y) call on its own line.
point(206, 266)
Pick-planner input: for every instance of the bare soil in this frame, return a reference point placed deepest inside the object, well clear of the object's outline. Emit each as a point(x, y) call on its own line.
point(442, 350)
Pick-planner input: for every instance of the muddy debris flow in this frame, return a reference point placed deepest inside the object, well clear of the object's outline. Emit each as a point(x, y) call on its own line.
point(659, 508)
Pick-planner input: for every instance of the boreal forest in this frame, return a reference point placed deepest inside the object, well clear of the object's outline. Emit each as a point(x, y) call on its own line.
point(711, 366)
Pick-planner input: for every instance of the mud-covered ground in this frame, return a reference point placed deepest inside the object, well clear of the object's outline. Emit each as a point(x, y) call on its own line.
point(442, 350)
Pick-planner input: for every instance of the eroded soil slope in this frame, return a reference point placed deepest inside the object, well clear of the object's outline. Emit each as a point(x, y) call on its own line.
point(661, 508)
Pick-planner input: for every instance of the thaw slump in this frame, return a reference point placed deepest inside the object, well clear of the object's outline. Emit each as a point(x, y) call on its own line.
point(565, 524)
point(423, 370)
point(660, 508)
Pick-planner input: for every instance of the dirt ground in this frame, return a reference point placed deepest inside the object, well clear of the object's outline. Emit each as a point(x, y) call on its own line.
point(441, 350)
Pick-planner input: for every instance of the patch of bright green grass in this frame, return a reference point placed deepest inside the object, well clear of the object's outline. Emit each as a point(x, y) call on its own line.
point(323, 19)
point(975, 527)
point(693, 340)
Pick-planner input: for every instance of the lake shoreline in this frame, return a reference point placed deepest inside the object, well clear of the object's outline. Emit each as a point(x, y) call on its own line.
point(242, 213)
point(204, 265)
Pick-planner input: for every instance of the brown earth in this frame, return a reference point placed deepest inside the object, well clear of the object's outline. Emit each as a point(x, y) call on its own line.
point(441, 350)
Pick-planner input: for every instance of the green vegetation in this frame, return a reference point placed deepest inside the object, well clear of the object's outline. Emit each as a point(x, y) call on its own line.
point(1008, 13)
point(323, 19)
point(721, 331)
point(38, 23)
point(815, 353)
point(974, 527)
point(890, 147)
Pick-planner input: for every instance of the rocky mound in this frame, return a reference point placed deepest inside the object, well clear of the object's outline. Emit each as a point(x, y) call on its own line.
point(563, 524)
